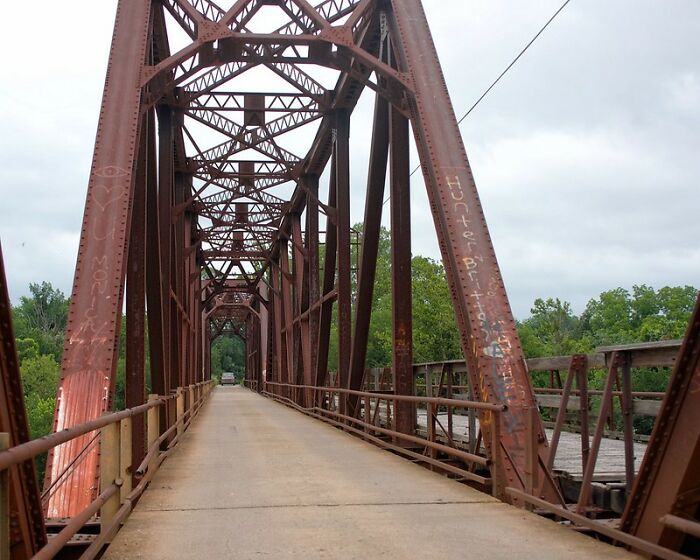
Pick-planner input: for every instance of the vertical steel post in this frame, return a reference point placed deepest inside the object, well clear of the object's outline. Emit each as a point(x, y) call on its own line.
point(532, 467)
point(628, 428)
point(135, 382)
point(370, 245)
point(277, 321)
point(582, 385)
point(342, 172)
point(325, 315)
point(287, 315)
point(496, 456)
point(402, 316)
point(154, 286)
point(431, 411)
point(4, 502)
point(165, 195)
point(312, 251)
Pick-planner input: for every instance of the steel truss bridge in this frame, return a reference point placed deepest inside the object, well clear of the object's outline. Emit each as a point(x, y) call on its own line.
point(219, 203)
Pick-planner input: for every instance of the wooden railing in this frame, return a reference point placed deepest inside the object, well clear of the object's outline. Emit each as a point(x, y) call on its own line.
point(117, 495)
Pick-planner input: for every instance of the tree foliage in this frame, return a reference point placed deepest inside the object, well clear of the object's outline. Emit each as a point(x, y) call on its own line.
point(39, 381)
point(615, 316)
point(42, 316)
point(227, 354)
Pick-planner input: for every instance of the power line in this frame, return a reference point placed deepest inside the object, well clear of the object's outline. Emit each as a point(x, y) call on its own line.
point(520, 54)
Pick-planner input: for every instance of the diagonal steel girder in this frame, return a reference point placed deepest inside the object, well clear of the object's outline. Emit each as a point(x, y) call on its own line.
point(196, 242)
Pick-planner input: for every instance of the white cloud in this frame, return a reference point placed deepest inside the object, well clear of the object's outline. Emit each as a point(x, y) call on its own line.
point(585, 154)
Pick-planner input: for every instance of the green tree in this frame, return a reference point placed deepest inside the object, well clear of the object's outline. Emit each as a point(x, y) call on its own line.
point(551, 330)
point(435, 334)
point(43, 317)
point(27, 348)
point(40, 376)
point(227, 354)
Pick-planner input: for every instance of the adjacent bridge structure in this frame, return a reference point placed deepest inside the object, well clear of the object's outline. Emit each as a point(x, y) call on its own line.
point(219, 203)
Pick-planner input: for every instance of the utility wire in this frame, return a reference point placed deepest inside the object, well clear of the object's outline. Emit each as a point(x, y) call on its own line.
point(520, 54)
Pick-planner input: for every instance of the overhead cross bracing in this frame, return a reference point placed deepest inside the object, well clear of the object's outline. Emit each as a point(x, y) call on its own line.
point(222, 152)
point(220, 203)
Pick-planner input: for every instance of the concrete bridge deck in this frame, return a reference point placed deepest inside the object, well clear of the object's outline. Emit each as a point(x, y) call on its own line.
point(254, 479)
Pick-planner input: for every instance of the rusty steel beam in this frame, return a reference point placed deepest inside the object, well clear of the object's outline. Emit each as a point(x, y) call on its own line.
point(668, 483)
point(135, 366)
point(26, 524)
point(210, 252)
point(342, 185)
point(401, 302)
point(487, 329)
point(379, 153)
point(87, 370)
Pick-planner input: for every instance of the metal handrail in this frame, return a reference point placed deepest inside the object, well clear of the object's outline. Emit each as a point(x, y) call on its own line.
point(401, 398)
point(114, 488)
point(353, 424)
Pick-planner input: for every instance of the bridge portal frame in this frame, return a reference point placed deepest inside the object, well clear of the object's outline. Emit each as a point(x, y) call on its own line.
point(137, 160)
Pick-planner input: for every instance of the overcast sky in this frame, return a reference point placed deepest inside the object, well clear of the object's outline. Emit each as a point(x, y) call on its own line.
point(586, 155)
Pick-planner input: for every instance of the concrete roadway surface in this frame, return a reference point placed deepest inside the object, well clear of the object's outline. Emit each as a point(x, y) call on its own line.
point(255, 479)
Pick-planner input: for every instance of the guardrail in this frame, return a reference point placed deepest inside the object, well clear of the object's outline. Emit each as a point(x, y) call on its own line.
point(117, 495)
point(600, 527)
point(373, 420)
point(607, 411)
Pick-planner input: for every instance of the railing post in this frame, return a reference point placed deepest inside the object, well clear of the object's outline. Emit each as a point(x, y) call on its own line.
point(193, 399)
point(430, 411)
point(532, 445)
point(153, 421)
point(368, 412)
point(180, 410)
point(109, 471)
point(496, 486)
point(125, 458)
point(4, 502)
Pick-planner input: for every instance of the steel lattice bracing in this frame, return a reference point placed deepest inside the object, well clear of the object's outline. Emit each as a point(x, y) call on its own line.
point(208, 194)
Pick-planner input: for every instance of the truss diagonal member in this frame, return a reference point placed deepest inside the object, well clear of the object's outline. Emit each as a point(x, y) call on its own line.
point(251, 138)
point(232, 169)
point(191, 14)
point(227, 197)
point(275, 102)
point(488, 334)
point(188, 61)
point(28, 531)
point(299, 79)
point(88, 366)
point(305, 14)
point(208, 9)
point(663, 505)
point(245, 139)
point(215, 77)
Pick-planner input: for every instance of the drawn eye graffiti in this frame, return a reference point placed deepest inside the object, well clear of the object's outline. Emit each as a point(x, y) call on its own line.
point(111, 171)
